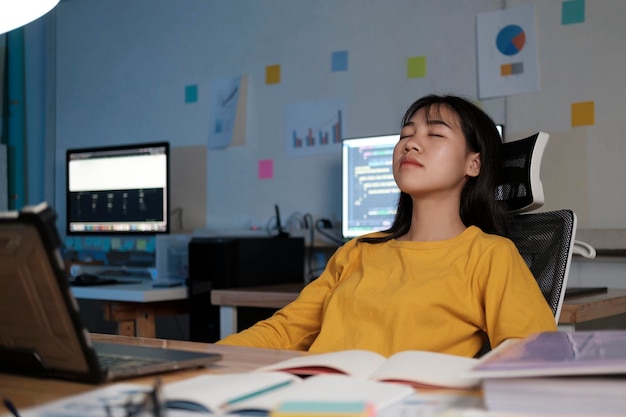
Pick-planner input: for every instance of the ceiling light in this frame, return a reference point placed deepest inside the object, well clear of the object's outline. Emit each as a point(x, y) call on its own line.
point(16, 13)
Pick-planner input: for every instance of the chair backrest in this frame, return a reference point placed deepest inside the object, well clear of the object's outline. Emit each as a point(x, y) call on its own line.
point(521, 187)
point(544, 239)
point(546, 242)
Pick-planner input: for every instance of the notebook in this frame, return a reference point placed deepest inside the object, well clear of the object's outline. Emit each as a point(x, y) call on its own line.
point(41, 333)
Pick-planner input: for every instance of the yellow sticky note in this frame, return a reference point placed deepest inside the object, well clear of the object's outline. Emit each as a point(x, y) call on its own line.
point(583, 113)
point(272, 74)
point(416, 67)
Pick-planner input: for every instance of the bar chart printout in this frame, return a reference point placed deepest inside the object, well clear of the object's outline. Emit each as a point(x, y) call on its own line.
point(314, 127)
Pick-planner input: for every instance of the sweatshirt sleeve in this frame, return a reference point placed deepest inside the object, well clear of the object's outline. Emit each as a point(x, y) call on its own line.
point(514, 304)
point(296, 325)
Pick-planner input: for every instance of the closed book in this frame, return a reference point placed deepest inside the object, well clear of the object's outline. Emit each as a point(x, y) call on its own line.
point(598, 352)
point(580, 373)
point(566, 395)
point(265, 391)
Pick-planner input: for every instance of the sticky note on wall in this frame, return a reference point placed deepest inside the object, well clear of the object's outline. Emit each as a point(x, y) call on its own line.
point(272, 74)
point(583, 113)
point(266, 169)
point(416, 67)
point(572, 11)
point(339, 61)
point(191, 93)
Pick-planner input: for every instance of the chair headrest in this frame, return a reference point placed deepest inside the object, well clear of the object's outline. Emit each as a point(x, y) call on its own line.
point(521, 187)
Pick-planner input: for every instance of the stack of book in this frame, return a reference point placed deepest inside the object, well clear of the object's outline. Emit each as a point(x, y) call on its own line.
point(579, 373)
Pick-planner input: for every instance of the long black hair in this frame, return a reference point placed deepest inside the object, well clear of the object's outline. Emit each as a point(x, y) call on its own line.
point(479, 206)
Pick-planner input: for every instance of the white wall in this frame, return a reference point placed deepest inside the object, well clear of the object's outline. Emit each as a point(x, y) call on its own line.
point(601, 272)
point(122, 67)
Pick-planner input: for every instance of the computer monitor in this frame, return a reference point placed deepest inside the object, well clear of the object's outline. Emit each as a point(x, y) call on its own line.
point(369, 192)
point(118, 189)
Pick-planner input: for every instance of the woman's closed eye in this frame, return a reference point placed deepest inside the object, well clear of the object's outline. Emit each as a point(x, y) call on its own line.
point(437, 134)
point(406, 135)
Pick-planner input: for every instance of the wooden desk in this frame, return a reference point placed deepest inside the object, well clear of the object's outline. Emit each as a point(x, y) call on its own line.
point(585, 308)
point(269, 296)
point(575, 310)
point(135, 306)
point(27, 392)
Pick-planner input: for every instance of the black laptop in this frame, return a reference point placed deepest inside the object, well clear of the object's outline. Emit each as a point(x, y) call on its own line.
point(41, 333)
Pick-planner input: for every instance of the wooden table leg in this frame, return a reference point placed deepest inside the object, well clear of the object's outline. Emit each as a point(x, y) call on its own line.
point(138, 319)
point(133, 319)
point(228, 320)
point(145, 323)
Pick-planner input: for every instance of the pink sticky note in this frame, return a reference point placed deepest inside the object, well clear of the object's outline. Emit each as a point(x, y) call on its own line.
point(266, 169)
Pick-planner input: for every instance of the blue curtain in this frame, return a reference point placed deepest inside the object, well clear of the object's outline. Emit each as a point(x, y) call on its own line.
point(14, 126)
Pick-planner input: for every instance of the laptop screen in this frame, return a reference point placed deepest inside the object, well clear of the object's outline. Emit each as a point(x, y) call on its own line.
point(38, 330)
point(40, 326)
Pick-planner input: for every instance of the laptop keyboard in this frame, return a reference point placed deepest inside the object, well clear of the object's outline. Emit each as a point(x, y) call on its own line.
point(109, 361)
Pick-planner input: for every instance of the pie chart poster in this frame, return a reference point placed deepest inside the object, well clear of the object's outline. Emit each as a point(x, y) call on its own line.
point(507, 52)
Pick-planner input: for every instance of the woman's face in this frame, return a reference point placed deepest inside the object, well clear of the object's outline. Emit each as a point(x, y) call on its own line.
point(431, 158)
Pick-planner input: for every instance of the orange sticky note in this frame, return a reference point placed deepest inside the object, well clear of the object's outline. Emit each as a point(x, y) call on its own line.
point(583, 113)
point(272, 74)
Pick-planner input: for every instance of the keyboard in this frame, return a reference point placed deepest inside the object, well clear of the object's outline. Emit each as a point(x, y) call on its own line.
point(576, 291)
point(109, 361)
point(125, 273)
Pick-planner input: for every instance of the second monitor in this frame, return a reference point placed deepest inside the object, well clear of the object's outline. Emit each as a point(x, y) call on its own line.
point(369, 192)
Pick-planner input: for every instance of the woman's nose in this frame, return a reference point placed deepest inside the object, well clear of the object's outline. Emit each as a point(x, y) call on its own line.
point(413, 144)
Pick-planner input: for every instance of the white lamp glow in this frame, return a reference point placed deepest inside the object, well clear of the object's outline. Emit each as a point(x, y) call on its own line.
point(16, 13)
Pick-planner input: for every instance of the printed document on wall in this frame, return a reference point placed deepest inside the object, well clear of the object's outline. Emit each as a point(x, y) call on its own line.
point(314, 127)
point(507, 52)
point(227, 115)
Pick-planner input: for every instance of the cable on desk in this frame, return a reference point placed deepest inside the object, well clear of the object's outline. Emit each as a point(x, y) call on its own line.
point(321, 225)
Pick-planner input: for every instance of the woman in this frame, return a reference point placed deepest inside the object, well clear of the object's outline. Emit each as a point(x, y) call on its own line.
point(442, 278)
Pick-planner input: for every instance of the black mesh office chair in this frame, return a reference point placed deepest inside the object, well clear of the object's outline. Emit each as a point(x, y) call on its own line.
point(544, 239)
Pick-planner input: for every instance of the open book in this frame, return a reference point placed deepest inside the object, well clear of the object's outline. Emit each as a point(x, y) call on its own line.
point(264, 391)
point(416, 368)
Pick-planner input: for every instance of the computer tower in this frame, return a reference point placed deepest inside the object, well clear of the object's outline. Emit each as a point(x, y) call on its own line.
point(229, 262)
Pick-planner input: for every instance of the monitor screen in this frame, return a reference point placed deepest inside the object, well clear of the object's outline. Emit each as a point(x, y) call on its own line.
point(118, 189)
point(369, 192)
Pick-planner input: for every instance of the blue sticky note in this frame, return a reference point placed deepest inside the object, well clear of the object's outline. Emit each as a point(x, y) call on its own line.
point(572, 11)
point(339, 61)
point(191, 93)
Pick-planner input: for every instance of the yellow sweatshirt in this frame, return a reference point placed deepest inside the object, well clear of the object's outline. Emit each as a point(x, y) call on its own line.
point(438, 296)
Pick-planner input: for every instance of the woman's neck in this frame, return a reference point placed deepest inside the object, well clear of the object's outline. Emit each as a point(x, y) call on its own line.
point(434, 220)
